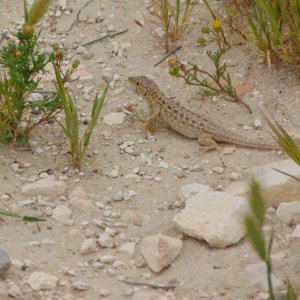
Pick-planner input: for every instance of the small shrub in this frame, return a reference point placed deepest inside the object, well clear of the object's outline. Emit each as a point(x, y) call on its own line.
point(218, 82)
point(71, 128)
point(22, 65)
point(172, 19)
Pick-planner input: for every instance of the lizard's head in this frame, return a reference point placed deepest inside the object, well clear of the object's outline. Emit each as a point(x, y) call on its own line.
point(142, 84)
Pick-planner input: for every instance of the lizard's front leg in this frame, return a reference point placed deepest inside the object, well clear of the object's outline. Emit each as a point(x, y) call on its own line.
point(155, 111)
point(207, 143)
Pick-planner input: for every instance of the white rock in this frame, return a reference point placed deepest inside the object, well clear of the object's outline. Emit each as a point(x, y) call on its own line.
point(218, 170)
point(61, 213)
point(118, 196)
point(289, 212)
point(216, 217)
point(80, 286)
point(131, 217)
point(45, 187)
point(277, 186)
point(114, 118)
point(105, 241)
point(189, 190)
point(128, 248)
point(257, 276)
point(79, 200)
point(104, 292)
point(163, 165)
point(78, 193)
point(42, 281)
point(107, 259)
point(160, 251)
point(88, 246)
point(296, 232)
point(14, 291)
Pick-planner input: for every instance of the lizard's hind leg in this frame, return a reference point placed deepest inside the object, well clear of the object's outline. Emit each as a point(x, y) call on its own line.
point(207, 143)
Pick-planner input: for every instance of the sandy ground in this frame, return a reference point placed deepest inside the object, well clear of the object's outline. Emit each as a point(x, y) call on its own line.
point(203, 272)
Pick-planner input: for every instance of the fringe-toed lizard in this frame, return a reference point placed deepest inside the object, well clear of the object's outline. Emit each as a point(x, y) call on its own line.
point(189, 123)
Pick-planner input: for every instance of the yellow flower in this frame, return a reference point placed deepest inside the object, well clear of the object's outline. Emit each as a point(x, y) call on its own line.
point(216, 25)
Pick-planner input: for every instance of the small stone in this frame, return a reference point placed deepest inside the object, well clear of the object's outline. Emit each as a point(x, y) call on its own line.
point(114, 118)
point(234, 176)
point(104, 292)
point(189, 190)
point(218, 170)
point(80, 286)
point(163, 165)
point(228, 150)
point(42, 281)
point(160, 251)
point(111, 28)
point(45, 187)
point(118, 196)
point(88, 246)
point(107, 259)
point(87, 54)
point(289, 212)
point(131, 217)
point(257, 277)
point(113, 174)
point(14, 291)
point(61, 213)
point(5, 262)
point(296, 232)
point(128, 248)
point(179, 173)
point(105, 241)
point(257, 123)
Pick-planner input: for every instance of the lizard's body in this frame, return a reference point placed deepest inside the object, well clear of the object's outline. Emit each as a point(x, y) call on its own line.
point(189, 123)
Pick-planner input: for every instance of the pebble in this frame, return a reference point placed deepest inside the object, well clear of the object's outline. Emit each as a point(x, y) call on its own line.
point(5, 262)
point(107, 259)
point(128, 248)
point(61, 213)
point(163, 165)
point(105, 241)
point(80, 286)
point(88, 246)
point(118, 196)
point(41, 281)
point(104, 292)
point(218, 170)
point(130, 217)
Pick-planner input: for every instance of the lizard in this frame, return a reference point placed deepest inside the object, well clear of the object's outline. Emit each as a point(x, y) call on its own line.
point(189, 123)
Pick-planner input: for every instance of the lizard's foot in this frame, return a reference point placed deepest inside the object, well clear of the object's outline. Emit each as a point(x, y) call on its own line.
point(207, 143)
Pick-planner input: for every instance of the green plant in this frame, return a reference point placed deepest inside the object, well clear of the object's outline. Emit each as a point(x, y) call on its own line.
point(18, 216)
point(22, 64)
point(254, 227)
point(217, 83)
point(173, 20)
point(78, 146)
point(275, 26)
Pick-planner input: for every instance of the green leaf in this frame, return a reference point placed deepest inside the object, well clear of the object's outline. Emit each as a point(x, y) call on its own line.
point(291, 294)
point(256, 202)
point(32, 219)
point(285, 141)
point(38, 10)
point(9, 213)
point(256, 237)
